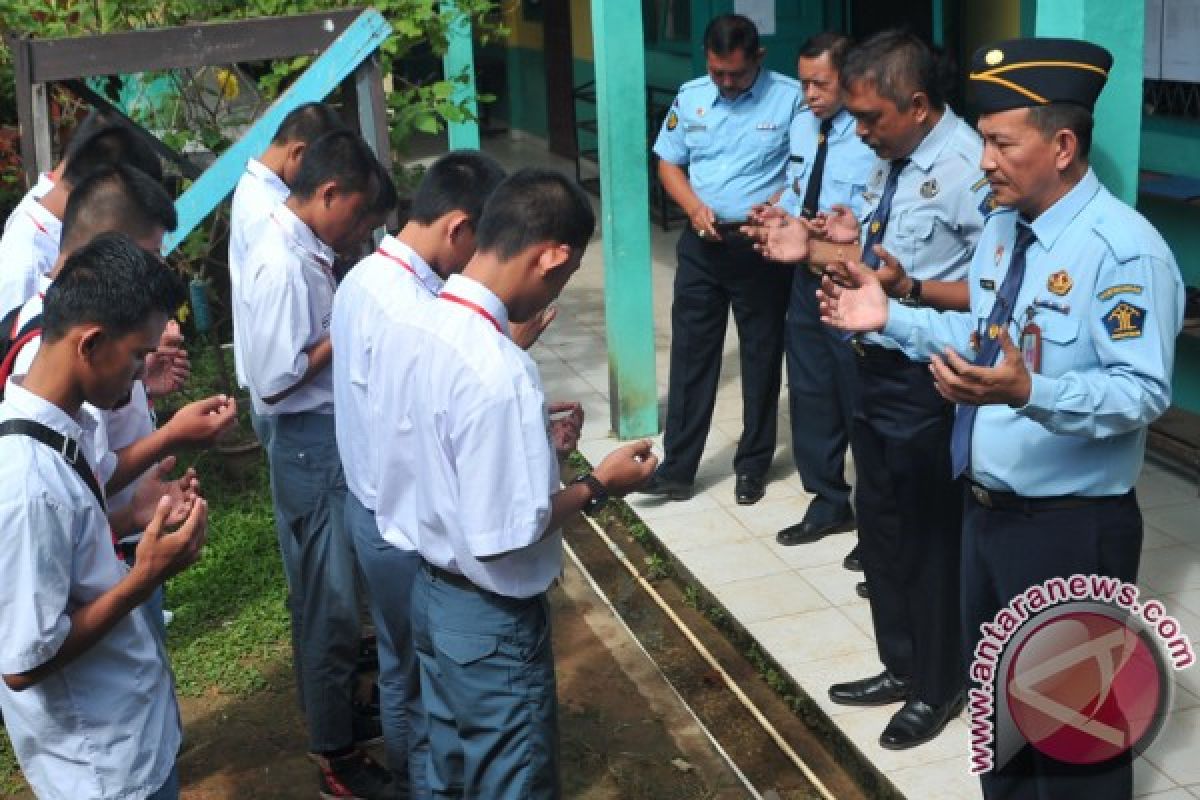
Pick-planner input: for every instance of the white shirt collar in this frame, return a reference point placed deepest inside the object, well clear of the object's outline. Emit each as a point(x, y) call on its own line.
point(396, 249)
point(46, 223)
point(475, 292)
point(267, 176)
point(294, 229)
point(28, 405)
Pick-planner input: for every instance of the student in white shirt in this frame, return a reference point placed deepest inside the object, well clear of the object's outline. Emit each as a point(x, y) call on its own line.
point(87, 696)
point(288, 285)
point(29, 247)
point(263, 186)
point(407, 270)
point(472, 474)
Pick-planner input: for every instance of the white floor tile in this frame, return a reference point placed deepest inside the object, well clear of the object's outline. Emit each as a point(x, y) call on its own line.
point(811, 636)
point(699, 530)
point(1148, 779)
point(758, 599)
point(1174, 752)
point(717, 566)
point(942, 780)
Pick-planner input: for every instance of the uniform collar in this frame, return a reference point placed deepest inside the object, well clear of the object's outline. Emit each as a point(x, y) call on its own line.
point(935, 141)
point(843, 121)
point(27, 405)
point(46, 223)
point(757, 88)
point(267, 176)
point(472, 290)
point(1054, 220)
point(294, 229)
point(423, 272)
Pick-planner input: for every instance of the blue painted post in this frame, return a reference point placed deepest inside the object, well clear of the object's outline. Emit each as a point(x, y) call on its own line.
point(459, 61)
point(625, 215)
point(355, 45)
point(1118, 25)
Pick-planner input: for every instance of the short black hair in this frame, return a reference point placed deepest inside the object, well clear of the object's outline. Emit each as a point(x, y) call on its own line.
point(898, 64)
point(116, 197)
point(1054, 117)
point(837, 45)
point(112, 144)
point(729, 32)
point(386, 196)
point(458, 181)
point(533, 206)
point(341, 156)
point(110, 282)
point(307, 123)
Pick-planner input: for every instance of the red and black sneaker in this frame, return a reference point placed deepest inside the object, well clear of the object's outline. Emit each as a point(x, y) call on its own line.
point(354, 777)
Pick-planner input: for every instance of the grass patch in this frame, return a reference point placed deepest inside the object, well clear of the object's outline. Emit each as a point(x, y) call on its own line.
point(230, 629)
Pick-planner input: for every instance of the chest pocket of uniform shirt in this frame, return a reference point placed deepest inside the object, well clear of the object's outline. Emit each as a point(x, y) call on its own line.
point(912, 236)
point(1059, 333)
point(769, 143)
point(696, 137)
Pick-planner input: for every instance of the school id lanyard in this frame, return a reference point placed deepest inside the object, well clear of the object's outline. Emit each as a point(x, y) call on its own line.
point(478, 309)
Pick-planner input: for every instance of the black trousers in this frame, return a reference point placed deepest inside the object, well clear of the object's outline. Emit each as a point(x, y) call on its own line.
point(822, 397)
point(909, 522)
point(1006, 552)
point(712, 278)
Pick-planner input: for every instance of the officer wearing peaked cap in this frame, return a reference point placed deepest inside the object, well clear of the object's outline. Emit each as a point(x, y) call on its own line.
point(1059, 367)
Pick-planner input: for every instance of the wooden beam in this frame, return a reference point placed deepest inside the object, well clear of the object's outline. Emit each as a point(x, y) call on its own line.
point(355, 45)
point(19, 47)
point(625, 213)
point(373, 119)
point(186, 46)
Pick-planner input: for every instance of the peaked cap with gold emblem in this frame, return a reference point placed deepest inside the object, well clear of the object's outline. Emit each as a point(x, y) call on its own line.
point(1019, 73)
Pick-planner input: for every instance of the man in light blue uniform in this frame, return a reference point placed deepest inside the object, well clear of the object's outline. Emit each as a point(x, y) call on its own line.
point(724, 148)
point(923, 202)
point(829, 166)
point(1059, 367)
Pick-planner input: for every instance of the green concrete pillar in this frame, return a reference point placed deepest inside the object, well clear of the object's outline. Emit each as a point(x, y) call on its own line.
point(1118, 25)
point(460, 60)
point(625, 215)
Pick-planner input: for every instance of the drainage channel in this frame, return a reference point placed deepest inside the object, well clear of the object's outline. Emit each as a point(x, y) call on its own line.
point(776, 752)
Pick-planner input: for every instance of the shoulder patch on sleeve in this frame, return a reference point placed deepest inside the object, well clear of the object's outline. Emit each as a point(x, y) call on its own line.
point(672, 121)
point(1125, 321)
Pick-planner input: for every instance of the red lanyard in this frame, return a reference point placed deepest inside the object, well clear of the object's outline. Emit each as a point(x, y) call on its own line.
point(407, 266)
point(478, 309)
point(37, 224)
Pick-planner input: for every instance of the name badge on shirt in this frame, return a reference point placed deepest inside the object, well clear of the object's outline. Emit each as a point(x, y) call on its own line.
point(691, 127)
point(767, 126)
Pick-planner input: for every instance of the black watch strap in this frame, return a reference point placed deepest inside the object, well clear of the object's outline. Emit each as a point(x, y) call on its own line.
point(598, 490)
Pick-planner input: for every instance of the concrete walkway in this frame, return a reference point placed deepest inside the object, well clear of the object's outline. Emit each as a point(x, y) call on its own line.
point(799, 603)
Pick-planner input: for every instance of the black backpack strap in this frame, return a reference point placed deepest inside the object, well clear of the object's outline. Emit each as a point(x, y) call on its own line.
point(65, 446)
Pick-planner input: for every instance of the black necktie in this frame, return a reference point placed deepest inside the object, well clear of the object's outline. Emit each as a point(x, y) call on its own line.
point(879, 219)
point(989, 345)
point(812, 194)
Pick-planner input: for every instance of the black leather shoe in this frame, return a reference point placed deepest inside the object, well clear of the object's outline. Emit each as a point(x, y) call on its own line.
point(879, 690)
point(861, 590)
point(918, 722)
point(749, 490)
point(852, 562)
point(658, 486)
point(807, 532)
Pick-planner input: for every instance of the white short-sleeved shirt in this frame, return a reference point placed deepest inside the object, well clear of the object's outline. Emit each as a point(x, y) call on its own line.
point(106, 724)
point(383, 288)
point(288, 287)
point(258, 191)
point(28, 251)
point(103, 458)
point(469, 465)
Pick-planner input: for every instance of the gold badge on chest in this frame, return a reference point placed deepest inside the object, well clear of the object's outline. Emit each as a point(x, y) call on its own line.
point(1060, 283)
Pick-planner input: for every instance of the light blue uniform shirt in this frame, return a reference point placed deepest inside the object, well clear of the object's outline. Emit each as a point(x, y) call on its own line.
point(848, 164)
point(1104, 288)
point(735, 151)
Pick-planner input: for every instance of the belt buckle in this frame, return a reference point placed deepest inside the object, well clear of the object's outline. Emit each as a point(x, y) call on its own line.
point(856, 343)
point(982, 495)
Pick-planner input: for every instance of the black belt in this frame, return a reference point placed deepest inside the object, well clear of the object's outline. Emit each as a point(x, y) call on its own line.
point(1009, 501)
point(452, 578)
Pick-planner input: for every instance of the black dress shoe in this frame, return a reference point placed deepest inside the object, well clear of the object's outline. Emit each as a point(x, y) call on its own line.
point(862, 591)
point(807, 532)
point(879, 690)
point(658, 486)
point(749, 490)
point(917, 722)
point(852, 562)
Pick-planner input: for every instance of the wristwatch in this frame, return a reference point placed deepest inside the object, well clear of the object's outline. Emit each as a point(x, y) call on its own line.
point(599, 493)
point(913, 298)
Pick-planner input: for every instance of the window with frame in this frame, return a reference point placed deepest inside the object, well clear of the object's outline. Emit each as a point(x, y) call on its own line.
point(667, 21)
